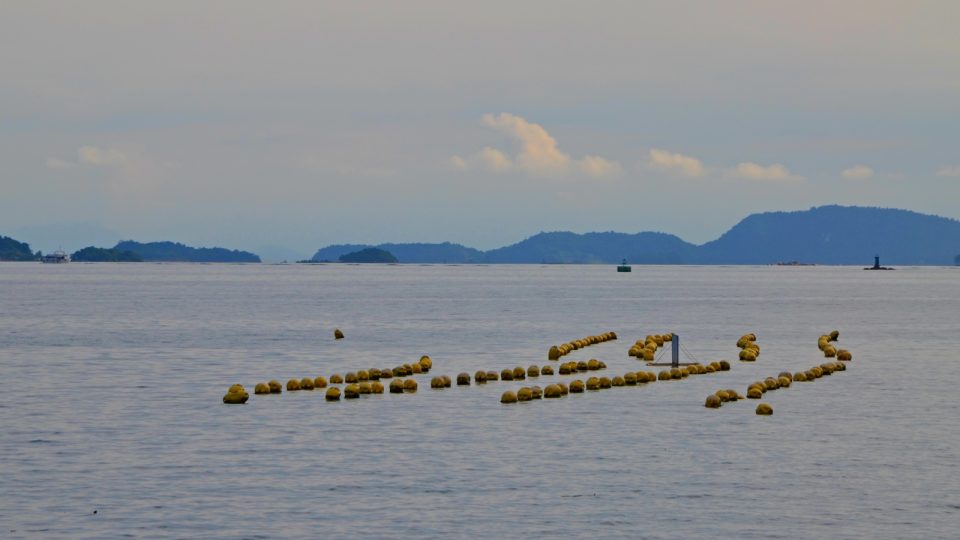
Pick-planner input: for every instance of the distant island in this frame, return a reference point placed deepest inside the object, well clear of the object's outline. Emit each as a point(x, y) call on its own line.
point(369, 255)
point(12, 250)
point(95, 254)
point(825, 235)
point(176, 252)
point(846, 235)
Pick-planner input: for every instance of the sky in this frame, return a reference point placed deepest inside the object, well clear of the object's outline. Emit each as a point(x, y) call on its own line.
point(287, 126)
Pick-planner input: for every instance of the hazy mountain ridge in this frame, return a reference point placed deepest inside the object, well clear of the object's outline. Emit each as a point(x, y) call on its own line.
point(821, 235)
point(408, 253)
point(176, 252)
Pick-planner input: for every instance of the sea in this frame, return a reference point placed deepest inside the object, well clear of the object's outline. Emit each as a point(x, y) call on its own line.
point(112, 423)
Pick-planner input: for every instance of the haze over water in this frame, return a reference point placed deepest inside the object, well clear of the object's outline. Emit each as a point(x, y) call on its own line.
point(114, 376)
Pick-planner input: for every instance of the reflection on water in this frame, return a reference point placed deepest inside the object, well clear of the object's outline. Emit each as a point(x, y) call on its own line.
point(114, 376)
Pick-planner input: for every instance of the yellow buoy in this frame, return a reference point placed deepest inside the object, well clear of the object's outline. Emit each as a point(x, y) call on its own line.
point(533, 371)
point(480, 377)
point(374, 374)
point(536, 392)
point(835, 335)
point(508, 397)
point(351, 391)
point(799, 377)
point(605, 382)
point(630, 379)
point(747, 355)
point(764, 409)
point(363, 375)
point(593, 383)
point(713, 402)
point(333, 394)
point(783, 381)
point(463, 379)
point(618, 381)
point(396, 386)
point(664, 375)
point(552, 391)
point(519, 374)
point(564, 390)
point(410, 386)
point(723, 395)
point(306, 383)
point(261, 388)
point(364, 387)
point(236, 395)
point(437, 382)
point(524, 394)
point(337, 334)
point(275, 387)
point(447, 382)
point(546, 370)
point(350, 378)
point(844, 355)
point(754, 393)
point(829, 351)
point(553, 353)
point(426, 362)
point(319, 382)
point(648, 355)
point(493, 376)
point(576, 386)
point(416, 367)
point(507, 374)
point(293, 384)
point(385, 373)
point(376, 387)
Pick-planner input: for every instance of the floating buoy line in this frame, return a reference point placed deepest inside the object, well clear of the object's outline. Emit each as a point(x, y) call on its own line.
point(367, 381)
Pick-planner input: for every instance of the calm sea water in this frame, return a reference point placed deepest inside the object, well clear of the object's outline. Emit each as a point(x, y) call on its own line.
point(111, 421)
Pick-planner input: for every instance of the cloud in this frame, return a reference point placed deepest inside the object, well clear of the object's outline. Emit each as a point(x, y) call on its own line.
point(754, 171)
point(92, 155)
point(859, 172)
point(598, 167)
point(538, 155)
point(57, 163)
point(458, 163)
point(495, 160)
point(678, 164)
point(949, 170)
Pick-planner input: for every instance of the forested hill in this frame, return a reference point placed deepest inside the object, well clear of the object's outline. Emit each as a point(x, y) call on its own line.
point(12, 250)
point(598, 247)
point(837, 235)
point(175, 252)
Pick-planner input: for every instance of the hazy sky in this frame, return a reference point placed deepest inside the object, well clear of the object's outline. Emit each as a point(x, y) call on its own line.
point(300, 124)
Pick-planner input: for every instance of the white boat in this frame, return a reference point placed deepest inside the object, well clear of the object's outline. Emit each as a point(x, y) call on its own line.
point(57, 257)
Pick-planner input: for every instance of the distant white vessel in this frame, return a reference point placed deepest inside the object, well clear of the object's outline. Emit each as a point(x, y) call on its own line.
point(57, 257)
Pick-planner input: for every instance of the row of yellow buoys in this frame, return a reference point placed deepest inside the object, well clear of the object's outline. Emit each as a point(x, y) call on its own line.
point(678, 373)
point(358, 383)
point(749, 350)
point(578, 386)
point(646, 349)
point(829, 351)
point(593, 364)
point(556, 352)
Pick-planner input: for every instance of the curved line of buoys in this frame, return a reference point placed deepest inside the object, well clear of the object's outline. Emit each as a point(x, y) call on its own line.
point(557, 351)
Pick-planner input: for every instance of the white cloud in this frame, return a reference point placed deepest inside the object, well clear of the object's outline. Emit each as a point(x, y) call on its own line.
point(495, 160)
point(675, 163)
point(949, 170)
point(538, 155)
point(754, 171)
point(859, 172)
point(57, 163)
point(598, 167)
point(458, 163)
point(92, 155)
